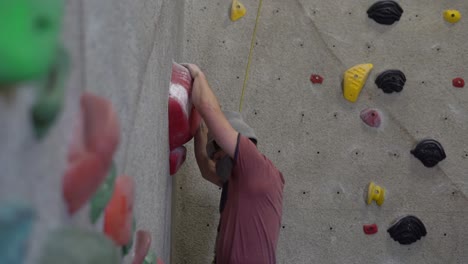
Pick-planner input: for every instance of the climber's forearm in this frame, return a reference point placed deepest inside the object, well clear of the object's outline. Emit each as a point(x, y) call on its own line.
point(207, 105)
point(206, 166)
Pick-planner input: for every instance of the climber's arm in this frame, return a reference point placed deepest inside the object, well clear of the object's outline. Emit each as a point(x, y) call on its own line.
point(207, 105)
point(205, 164)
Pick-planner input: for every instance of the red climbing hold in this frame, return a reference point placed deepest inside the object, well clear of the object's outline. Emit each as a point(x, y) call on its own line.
point(118, 215)
point(143, 243)
point(183, 118)
point(458, 82)
point(370, 229)
point(94, 142)
point(371, 117)
point(176, 159)
point(315, 78)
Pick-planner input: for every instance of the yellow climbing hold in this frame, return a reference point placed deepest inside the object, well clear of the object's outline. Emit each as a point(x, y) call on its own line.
point(354, 80)
point(375, 193)
point(452, 15)
point(237, 10)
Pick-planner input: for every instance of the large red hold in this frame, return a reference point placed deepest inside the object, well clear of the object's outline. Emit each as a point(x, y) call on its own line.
point(183, 118)
point(94, 141)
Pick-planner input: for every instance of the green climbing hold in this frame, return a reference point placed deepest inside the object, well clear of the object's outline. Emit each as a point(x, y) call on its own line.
point(29, 37)
point(15, 226)
point(50, 96)
point(150, 258)
point(75, 246)
point(103, 195)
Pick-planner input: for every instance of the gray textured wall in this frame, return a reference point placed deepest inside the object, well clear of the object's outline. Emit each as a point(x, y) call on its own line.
point(316, 138)
point(129, 47)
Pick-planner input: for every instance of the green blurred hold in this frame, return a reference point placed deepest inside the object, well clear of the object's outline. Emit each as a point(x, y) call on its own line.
point(51, 94)
point(103, 195)
point(126, 249)
point(75, 246)
point(150, 258)
point(15, 226)
point(29, 38)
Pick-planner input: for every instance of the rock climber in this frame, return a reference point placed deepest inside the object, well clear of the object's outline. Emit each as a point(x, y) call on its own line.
point(252, 187)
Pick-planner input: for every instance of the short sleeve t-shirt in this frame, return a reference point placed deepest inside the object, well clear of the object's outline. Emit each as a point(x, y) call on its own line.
point(251, 218)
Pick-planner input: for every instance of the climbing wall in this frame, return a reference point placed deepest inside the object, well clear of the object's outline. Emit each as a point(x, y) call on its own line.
point(316, 137)
point(84, 149)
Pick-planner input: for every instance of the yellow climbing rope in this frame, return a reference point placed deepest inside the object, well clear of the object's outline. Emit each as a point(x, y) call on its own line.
point(249, 60)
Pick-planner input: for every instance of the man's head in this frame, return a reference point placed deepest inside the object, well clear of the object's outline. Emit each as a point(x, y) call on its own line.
point(224, 163)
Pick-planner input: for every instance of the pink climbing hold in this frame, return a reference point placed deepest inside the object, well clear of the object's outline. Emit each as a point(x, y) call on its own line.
point(371, 117)
point(94, 141)
point(183, 118)
point(118, 215)
point(458, 82)
point(370, 229)
point(176, 159)
point(315, 78)
point(142, 245)
point(159, 261)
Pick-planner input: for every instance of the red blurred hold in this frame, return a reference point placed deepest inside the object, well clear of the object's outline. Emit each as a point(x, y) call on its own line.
point(458, 82)
point(118, 214)
point(159, 261)
point(176, 159)
point(370, 229)
point(142, 245)
point(94, 141)
point(315, 78)
point(371, 117)
point(183, 118)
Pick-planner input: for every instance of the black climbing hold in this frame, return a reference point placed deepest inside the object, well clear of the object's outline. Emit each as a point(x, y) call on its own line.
point(429, 152)
point(385, 12)
point(391, 81)
point(407, 230)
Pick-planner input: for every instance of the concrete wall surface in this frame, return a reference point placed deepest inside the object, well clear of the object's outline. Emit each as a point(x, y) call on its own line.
point(129, 47)
point(316, 138)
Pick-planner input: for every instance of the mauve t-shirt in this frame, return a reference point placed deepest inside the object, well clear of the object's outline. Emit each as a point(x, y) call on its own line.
point(251, 217)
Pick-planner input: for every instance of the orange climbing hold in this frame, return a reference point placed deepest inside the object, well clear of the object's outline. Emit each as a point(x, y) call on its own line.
point(119, 212)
